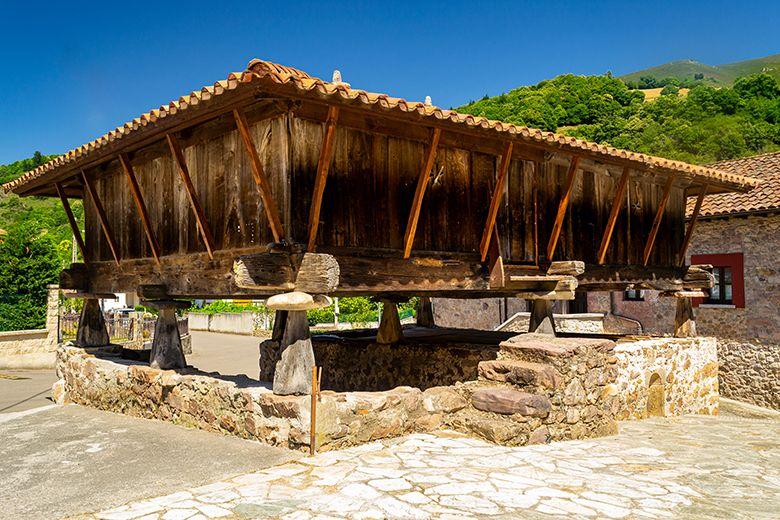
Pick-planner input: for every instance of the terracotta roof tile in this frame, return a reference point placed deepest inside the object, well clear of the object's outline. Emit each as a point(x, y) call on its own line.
point(765, 168)
point(261, 72)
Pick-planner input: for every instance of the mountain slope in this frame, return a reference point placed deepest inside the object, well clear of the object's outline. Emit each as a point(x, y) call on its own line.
point(720, 75)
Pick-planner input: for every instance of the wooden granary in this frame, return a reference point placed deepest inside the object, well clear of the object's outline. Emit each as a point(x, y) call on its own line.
point(273, 181)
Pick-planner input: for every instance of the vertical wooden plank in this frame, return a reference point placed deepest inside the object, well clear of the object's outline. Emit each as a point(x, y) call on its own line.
point(205, 231)
point(101, 212)
point(658, 217)
point(691, 225)
point(495, 201)
point(263, 186)
point(419, 193)
point(558, 225)
point(72, 221)
point(323, 164)
point(617, 203)
point(124, 160)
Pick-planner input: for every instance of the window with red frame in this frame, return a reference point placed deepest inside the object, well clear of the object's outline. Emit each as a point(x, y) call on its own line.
point(728, 270)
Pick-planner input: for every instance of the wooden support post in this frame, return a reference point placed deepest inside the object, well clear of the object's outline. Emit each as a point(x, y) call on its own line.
point(197, 209)
point(691, 225)
point(684, 320)
point(425, 312)
point(92, 331)
point(167, 352)
point(124, 160)
point(659, 215)
point(74, 227)
point(495, 201)
point(419, 193)
point(263, 186)
point(101, 216)
point(323, 165)
point(617, 205)
point(390, 325)
point(315, 391)
point(558, 225)
point(542, 321)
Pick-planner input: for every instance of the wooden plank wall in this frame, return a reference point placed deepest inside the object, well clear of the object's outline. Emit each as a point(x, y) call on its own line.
point(367, 199)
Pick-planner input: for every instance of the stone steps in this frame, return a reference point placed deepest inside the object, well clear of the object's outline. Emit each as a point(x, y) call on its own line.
point(520, 373)
point(545, 348)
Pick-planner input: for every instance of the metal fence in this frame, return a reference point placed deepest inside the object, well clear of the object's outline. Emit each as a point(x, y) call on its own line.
point(122, 328)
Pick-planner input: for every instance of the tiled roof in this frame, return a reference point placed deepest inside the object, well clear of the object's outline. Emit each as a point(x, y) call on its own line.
point(765, 168)
point(267, 73)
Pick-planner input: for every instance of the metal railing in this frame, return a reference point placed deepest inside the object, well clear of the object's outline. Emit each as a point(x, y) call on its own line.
point(122, 328)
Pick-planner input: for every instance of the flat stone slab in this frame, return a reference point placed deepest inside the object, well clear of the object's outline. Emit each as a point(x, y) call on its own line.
point(508, 401)
point(520, 373)
point(552, 346)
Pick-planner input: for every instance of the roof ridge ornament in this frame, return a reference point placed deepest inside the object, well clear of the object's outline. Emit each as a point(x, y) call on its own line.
point(336, 79)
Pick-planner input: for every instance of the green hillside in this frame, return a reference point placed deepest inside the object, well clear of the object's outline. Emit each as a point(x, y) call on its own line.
point(720, 75)
point(708, 124)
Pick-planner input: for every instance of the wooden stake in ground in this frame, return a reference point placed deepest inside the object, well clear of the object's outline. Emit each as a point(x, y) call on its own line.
point(314, 394)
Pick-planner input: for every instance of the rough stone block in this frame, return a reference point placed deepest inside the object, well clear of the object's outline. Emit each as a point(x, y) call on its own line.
point(520, 373)
point(443, 399)
point(507, 401)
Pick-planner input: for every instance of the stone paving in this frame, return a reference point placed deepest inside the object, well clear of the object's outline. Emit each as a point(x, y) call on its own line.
point(686, 467)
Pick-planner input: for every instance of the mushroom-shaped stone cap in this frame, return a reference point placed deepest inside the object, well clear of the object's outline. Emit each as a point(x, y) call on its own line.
point(297, 301)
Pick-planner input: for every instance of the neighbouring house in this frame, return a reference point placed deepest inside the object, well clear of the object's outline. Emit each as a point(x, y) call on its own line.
point(739, 235)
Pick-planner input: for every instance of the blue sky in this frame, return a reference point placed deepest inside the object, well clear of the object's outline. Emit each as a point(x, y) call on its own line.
point(72, 71)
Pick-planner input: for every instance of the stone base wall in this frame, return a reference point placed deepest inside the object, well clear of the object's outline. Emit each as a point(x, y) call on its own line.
point(17, 342)
point(685, 368)
point(750, 372)
point(353, 365)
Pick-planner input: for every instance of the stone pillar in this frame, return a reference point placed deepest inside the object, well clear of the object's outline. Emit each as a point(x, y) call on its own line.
point(167, 352)
point(292, 374)
point(425, 312)
point(541, 320)
point(92, 330)
point(684, 320)
point(390, 325)
point(52, 316)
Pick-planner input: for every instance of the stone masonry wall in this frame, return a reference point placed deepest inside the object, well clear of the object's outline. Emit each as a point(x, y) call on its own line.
point(24, 342)
point(748, 338)
point(351, 365)
point(687, 369)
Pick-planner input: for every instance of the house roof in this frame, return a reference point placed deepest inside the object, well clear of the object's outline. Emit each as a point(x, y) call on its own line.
point(271, 75)
point(765, 168)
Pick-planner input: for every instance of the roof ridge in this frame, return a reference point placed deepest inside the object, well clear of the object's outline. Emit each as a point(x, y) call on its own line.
point(300, 80)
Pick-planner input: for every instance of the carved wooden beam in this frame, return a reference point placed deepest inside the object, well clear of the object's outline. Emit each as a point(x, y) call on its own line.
point(419, 193)
point(323, 165)
point(495, 201)
point(691, 225)
point(617, 205)
point(101, 216)
point(558, 225)
point(124, 160)
point(657, 221)
point(72, 221)
point(263, 186)
point(197, 209)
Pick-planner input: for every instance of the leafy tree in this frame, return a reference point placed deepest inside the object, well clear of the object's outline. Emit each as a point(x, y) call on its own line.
point(28, 262)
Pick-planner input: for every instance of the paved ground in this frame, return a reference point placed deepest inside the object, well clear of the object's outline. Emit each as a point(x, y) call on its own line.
point(689, 467)
point(63, 460)
point(25, 389)
point(228, 354)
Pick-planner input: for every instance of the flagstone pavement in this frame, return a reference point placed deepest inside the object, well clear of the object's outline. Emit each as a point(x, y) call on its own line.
point(687, 467)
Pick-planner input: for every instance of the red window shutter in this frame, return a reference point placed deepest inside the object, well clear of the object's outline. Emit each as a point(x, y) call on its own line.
point(736, 261)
